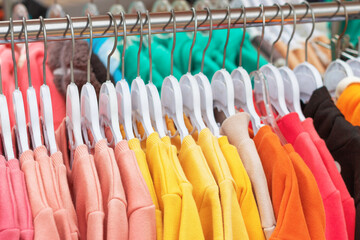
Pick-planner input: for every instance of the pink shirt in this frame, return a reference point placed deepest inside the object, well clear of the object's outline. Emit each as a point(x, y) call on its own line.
point(141, 209)
point(329, 162)
point(9, 226)
point(24, 215)
point(114, 202)
point(295, 134)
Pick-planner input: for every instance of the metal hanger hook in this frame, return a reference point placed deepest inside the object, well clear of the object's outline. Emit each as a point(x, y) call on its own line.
point(43, 28)
point(13, 52)
point(262, 36)
point(194, 38)
point(123, 21)
point(209, 15)
point(73, 46)
point(112, 19)
point(338, 46)
point(27, 50)
point(90, 46)
point(292, 9)
point(312, 29)
point(140, 44)
point(174, 42)
point(281, 30)
point(227, 35)
point(243, 12)
point(149, 43)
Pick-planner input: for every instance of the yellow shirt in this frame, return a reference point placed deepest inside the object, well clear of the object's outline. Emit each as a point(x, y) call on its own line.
point(190, 225)
point(206, 191)
point(234, 225)
point(134, 144)
point(243, 189)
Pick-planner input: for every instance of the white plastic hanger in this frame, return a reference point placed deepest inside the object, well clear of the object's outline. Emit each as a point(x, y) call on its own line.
point(338, 69)
point(89, 106)
point(190, 89)
point(46, 112)
point(171, 96)
point(222, 84)
point(73, 118)
point(276, 87)
point(261, 87)
point(140, 105)
point(21, 132)
point(292, 94)
point(123, 94)
point(242, 86)
point(308, 76)
point(155, 111)
point(5, 125)
point(108, 107)
point(206, 96)
point(32, 104)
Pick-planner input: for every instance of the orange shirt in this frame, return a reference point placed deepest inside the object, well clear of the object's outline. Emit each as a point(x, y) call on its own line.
point(283, 187)
point(310, 196)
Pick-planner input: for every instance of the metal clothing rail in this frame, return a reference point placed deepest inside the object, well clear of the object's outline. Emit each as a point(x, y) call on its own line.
point(324, 12)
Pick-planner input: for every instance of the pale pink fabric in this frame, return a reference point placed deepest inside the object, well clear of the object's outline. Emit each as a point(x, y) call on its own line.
point(116, 222)
point(141, 210)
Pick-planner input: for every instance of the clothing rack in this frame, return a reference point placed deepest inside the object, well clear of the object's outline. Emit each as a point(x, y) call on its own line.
point(324, 12)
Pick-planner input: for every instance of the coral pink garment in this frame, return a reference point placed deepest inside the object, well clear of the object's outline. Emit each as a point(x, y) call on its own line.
point(141, 210)
point(329, 162)
point(64, 191)
point(9, 226)
point(116, 221)
point(84, 186)
point(36, 52)
point(43, 217)
point(24, 215)
point(295, 134)
point(52, 193)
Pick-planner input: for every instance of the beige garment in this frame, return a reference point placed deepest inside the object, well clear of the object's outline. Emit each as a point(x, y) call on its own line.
point(281, 48)
point(236, 129)
point(312, 57)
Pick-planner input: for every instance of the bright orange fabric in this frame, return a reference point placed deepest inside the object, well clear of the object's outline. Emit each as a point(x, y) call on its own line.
point(113, 195)
point(309, 194)
point(283, 187)
point(349, 101)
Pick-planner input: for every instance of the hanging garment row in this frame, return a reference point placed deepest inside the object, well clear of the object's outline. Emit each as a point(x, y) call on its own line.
point(131, 162)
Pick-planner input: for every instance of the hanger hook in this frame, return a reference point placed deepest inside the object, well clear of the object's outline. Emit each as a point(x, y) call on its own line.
point(281, 30)
point(140, 44)
point(262, 35)
point(312, 29)
point(292, 9)
point(227, 35)
point(73, 46)
point(43, 28)
point(174, 42)
point(112, 19)
point(338, 45)
point(149, 43)
point(137, 21)
point(123, 21)
point(13, 53)
point(194, 38)
point(209, 15)
point(90, 45)
point(27, 50)
point(243, 12)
